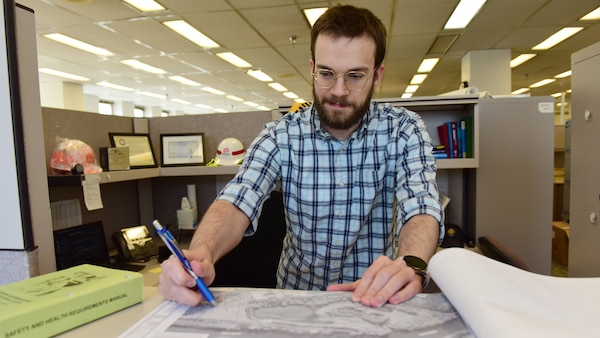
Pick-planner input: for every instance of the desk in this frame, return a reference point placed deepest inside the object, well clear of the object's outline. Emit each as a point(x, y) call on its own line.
point(118, 322)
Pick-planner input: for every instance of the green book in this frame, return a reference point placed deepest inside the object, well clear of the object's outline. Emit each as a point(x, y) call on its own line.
point(52, 303)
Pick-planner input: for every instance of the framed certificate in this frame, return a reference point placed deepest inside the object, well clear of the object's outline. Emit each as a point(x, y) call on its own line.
point(182, 149)
point(141, 154)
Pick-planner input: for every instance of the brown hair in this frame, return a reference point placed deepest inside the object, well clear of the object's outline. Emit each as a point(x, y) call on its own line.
point(350, 21)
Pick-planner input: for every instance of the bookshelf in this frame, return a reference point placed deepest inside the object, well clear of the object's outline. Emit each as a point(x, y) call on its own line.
point(456, 176)
point(140, 174)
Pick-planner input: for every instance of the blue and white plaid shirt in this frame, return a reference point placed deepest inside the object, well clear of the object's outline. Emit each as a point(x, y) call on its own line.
point(340, 197)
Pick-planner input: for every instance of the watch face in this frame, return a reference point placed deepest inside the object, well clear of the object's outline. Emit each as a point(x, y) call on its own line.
point(415, 262)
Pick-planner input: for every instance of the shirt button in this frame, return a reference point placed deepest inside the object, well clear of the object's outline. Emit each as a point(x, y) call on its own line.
point(337, 242)
point(339, 213)
point(336, 264)
point(341, 184)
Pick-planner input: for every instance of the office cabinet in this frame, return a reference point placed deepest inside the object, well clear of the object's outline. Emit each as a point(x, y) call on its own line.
point(515, 178)
point(584, 208)
point(505, 190)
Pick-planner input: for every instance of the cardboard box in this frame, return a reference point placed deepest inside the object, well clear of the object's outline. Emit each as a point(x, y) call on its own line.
point(560, 242)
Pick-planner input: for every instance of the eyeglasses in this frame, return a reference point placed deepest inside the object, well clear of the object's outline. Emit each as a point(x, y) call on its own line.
point(354, 80)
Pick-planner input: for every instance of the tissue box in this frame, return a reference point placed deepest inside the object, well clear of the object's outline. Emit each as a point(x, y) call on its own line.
point(187, 218)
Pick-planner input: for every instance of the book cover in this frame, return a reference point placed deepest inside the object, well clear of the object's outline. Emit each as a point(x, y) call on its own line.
point(450, 146)
point(469, 135)
point(52, 303)
point(453, 130)
point(443, 135)
point(463, 138)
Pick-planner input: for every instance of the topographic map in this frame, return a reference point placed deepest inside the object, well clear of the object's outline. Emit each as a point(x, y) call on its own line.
point(276, 313)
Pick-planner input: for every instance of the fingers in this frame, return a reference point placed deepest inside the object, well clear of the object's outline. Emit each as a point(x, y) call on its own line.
point(343, 287)
point(386, 281)
point(175, 283)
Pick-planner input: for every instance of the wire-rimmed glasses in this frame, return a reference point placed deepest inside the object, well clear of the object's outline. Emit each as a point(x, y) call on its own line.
point(354, 80)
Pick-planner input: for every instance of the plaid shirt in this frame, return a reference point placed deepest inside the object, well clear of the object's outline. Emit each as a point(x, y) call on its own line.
point(342, 199)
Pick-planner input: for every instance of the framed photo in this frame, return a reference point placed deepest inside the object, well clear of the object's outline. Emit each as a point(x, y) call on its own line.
point(141, 154)
point(182, 149)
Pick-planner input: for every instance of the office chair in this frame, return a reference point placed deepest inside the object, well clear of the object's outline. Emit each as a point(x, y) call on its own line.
point(253, 263)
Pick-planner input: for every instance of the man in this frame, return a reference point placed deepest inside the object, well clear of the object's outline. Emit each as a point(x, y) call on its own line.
point(356, 176)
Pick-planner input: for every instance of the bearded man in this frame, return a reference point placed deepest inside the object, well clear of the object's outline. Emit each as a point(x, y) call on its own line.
point(358, 180)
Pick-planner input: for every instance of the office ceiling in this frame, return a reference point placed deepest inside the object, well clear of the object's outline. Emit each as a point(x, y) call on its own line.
point(259, 31)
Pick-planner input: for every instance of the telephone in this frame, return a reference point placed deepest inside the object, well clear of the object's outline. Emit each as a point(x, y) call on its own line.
point(135, 244)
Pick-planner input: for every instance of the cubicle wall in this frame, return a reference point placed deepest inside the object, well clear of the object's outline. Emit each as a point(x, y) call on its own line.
point(122, 199)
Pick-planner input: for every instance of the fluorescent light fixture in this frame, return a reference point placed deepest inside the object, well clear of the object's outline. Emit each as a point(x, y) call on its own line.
point(418, 79)
point(520, 91)
point(312, 14)
point(563, 74)
point(204, 106)
point(259, 75)
point(191, 33)
point(180, 101)
point(63, 74)
point(251, 104)
point(556, 94)
point(145, 5)
point(290, 95)
point(84, 46)
point(142, 66)
point(154, 95)
point(411, 88)
point(234, 59)
point(219, 110)
point(542, 83)
point(213, 91)
point(299, 100)
point(427, 65)
point(114, 86)
point(184, 80)
point(464, 12)
point(277, 86)
point(406, 95)
point(593, 15)
point(519, 60)
point(557, 38)
point(234, 98)
point(262, 108)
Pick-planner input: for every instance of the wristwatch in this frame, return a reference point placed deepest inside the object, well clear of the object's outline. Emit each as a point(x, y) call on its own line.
point(419, 266)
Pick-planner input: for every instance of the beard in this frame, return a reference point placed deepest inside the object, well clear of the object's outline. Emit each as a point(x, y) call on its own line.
point(337, 119)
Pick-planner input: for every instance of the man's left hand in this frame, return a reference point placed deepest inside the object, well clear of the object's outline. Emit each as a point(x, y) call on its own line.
point(384, 281)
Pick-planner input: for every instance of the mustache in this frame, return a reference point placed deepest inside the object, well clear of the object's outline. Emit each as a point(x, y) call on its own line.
point(336, 100)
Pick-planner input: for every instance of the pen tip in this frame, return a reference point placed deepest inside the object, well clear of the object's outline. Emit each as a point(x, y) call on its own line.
point(213, 303)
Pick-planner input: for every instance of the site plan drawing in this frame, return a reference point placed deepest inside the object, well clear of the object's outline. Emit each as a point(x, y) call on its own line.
point(275, 313)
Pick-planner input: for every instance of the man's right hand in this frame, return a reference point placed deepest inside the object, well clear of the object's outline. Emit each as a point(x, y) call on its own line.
point(176, 284)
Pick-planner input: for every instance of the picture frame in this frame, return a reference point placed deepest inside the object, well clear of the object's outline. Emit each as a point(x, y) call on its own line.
point(185, 149)
point(141, 153)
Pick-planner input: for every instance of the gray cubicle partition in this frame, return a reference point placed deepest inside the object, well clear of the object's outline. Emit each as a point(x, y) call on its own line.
point(127, 202)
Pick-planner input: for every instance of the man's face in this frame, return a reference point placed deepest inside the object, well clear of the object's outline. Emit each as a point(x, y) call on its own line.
point(339, 107)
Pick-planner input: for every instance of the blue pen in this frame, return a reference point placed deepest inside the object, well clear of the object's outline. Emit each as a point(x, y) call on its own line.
point(170, 242)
